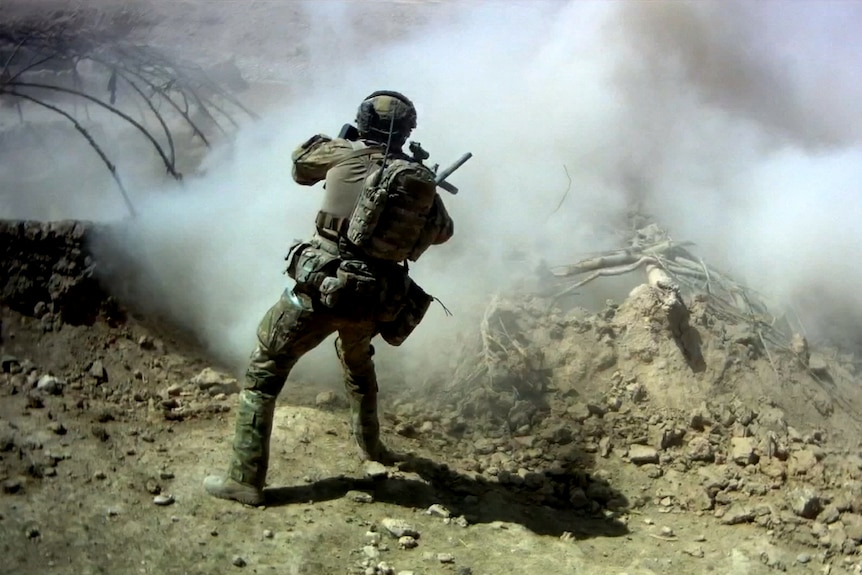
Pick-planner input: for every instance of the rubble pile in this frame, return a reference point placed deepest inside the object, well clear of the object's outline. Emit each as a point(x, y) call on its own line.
point(48, 273)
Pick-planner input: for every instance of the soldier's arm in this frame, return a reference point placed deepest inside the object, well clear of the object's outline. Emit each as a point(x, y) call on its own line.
point(442, 222)
point(312, 159)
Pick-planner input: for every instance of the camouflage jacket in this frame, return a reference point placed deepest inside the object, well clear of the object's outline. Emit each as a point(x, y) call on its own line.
point(325, 159)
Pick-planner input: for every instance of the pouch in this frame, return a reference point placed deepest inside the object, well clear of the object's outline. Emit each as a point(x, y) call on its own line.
point(415, 306)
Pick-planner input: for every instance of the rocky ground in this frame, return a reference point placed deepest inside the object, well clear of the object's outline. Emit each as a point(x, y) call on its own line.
point(610, 451)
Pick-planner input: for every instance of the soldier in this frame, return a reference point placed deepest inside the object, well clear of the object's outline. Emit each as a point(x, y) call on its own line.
point(350, 278)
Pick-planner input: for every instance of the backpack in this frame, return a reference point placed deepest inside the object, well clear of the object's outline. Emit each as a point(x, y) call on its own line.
point(392, 211)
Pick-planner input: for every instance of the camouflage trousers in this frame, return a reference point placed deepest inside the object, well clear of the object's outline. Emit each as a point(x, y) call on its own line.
point(289, 330)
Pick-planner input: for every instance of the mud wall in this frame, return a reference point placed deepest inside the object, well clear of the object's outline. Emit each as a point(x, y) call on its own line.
point(47, 271)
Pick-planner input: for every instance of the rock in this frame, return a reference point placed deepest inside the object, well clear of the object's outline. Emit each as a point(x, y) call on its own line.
point(406, 429)
point(97, 371)
point(359, 496)
point(642, 454)
point(268, 534)
point(579, 411)
point(12, 485)
point(371, 551)
point(174, 390)
point(852, 526)
point(803, 558)
point(325, 399)
point(818, 363)
point(829, 515)
point(407, 542)
point(742, 451)
point(238, 561)
point(399, 528)
point(9, 364)
point(737, 513)
point(700, 449)
point(375, 470)
point(445, 558)
point(57, 427)
point(32, 532)
point(438, 511)
point(163, 500)
point(214, 382)
point(384, 568)
point(426, 427)
point(799, 346)
point(801, 462)
point(165, 474)
point(50, 384)
point(153, 487)
point(805, 502)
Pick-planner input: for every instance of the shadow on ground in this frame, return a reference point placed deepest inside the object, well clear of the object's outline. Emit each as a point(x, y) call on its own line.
point(541, 513)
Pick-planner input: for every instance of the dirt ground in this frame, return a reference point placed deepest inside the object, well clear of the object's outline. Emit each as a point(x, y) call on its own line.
point(561, 440)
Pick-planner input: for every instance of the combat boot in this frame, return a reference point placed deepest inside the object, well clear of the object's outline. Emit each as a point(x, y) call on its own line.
point(246, 474)
point(365, 428)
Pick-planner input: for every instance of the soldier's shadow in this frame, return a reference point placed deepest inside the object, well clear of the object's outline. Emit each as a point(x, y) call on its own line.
point(478, 500)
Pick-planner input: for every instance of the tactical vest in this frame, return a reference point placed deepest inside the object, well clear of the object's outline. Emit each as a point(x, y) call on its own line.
point(382, 214)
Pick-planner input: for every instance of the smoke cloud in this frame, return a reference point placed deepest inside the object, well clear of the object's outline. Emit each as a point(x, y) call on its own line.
point(737, 125)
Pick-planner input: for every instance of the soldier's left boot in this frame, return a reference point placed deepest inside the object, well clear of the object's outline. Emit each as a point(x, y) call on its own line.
point(246, 474)
point(365, 428)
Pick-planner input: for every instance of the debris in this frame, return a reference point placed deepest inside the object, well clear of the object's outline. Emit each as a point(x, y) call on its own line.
point(399, 528)
point(163, 500)
point(359, 496)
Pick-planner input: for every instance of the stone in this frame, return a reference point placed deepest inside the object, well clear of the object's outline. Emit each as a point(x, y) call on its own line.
point(268, 534)
point(736, 514)
point(805, 502)
point(12, 485)
point(57, 427)
point(445, 558)
point(375, 470)
point(371, 551)
point(50, 384)
point(163, 500)
point(326, 398)
point(9, 363)
point(399, 528)
point(214, 382)
point(238, 561)
point(642, 454)
point(700, 449)
point(407, 542)
point(801, 462)
point(359, 496)
point(852, 526)
point(438, 510)
point(97, 371)
point(742, 451)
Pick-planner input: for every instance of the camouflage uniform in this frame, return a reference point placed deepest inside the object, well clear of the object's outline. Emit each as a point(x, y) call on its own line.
point(299, 321)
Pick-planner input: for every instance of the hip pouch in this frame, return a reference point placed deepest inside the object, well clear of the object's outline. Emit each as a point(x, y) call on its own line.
point(353, 287)
point(310, 268)
point(416, 304)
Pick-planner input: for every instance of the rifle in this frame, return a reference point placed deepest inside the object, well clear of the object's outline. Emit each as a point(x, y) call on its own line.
point(350, 132)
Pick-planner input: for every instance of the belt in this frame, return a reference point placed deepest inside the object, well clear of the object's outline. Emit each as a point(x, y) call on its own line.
point(329, 225)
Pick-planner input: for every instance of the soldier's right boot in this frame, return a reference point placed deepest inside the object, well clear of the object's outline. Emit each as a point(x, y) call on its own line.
point(246, 474)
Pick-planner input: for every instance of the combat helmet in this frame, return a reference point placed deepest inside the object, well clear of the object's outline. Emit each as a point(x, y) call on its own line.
point(383, 112)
